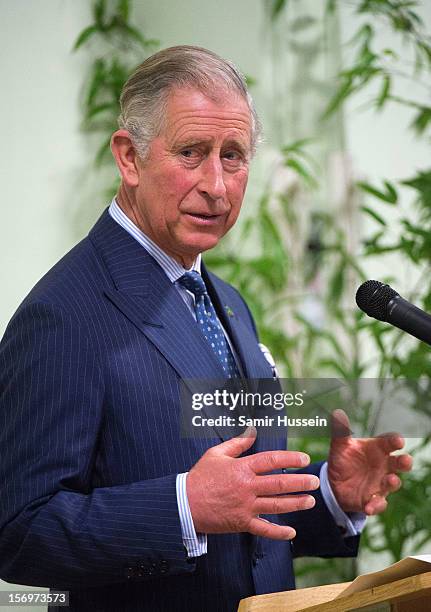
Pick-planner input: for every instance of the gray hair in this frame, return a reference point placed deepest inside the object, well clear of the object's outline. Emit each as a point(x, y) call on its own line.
point(144, 96)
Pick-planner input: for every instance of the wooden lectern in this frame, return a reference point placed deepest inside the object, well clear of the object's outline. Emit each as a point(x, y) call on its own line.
point(411, 594)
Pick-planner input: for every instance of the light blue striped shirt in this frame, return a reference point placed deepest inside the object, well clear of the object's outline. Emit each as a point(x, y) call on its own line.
point(196, 544)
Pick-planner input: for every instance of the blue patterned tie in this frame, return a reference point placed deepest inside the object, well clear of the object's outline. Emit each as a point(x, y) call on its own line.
point(208, 322)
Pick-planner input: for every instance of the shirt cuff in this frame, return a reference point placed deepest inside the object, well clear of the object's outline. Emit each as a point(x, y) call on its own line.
point(196, 544)
point(352, 523)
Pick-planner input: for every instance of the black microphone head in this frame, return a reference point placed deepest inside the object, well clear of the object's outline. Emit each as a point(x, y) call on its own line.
point(373, 298)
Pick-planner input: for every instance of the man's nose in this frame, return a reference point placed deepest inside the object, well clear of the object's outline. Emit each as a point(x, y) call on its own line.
point(212, 179)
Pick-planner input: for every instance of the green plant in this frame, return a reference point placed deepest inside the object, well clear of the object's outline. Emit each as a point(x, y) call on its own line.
point(404, 526)
point(116, 46)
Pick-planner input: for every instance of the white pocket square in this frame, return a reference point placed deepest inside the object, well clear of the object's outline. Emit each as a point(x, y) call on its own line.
point(270, 359)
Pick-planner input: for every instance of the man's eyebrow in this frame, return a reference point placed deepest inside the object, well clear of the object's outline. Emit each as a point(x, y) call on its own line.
point(236, 143)
point(191, 142)
point(194, 141)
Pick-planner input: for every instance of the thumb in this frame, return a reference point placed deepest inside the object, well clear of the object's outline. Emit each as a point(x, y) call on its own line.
point(340, 425)
point(236, 446)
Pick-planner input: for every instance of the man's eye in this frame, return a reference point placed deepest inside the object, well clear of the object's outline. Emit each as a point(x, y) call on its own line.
point(189, 153)
point(232, 155)
point(233, 159)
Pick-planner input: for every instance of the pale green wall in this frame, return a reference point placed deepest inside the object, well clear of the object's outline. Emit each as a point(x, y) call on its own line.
point(41, 150)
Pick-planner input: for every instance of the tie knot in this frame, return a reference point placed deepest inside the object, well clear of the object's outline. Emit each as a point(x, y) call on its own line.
point(194, 282)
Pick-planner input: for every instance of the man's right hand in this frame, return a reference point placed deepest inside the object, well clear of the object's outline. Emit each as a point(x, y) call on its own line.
point(226, 493)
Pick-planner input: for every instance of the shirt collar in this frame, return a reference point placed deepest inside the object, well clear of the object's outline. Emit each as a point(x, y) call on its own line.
point(172, 268)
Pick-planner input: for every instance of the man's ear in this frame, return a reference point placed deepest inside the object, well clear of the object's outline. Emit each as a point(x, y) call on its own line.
point(126, 157)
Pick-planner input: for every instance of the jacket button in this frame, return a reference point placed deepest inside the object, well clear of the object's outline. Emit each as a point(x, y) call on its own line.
point(129, 572)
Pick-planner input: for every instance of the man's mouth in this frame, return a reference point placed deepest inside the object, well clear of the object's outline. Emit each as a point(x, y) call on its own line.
point(204, 218)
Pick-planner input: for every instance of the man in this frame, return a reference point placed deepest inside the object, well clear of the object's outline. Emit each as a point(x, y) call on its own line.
point(100, 494)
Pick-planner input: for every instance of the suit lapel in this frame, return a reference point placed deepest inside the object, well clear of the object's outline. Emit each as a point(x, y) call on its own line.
point(145, 295)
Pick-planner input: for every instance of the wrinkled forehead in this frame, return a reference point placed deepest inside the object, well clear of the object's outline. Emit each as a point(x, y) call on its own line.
point(220, 112)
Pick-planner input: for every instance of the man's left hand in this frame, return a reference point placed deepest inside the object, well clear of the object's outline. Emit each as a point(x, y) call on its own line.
point(363, 471)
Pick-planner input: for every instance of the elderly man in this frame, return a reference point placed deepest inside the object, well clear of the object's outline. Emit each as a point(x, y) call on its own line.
point(100, 495)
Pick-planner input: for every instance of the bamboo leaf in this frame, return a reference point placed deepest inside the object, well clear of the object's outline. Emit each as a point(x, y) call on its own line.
point(344, 91)
point(365, 33)
point(391, 192)
point(277, 7)
point(99, 10)
point(335, 344)
point(301, 171)
point(425, 49)
point(335, 366)
point(84, 36)
point(96, 82)
point(414, 229)
point(123, 9)
point(297, 146)
point(384, 91)
point(421, 182)
point(375, 249)
point(373, 214)
point(135, 34)
point(389, 196)
point(337, 282)
point(422, 119)
point(330, 6)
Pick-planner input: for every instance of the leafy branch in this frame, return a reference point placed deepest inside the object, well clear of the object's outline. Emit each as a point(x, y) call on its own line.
point(123, 46)
point(396, 227)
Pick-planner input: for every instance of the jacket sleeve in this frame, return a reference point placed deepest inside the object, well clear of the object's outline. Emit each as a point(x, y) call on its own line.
point(317, 533)
point(55, 529)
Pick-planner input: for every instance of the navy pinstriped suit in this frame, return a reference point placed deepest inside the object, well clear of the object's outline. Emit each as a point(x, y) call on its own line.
point(89, 372)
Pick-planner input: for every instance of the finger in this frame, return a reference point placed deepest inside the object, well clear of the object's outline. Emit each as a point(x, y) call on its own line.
point(391, 442)
point(236, 446)
point(274, 460)
point(284, 483)
point(340, 424)
point(400, 463)
point(282, 504)
point(376, 505)
point(390, 484)
point(261, 527)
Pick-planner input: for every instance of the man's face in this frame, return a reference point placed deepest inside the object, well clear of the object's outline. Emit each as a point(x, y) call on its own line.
point(193, 181)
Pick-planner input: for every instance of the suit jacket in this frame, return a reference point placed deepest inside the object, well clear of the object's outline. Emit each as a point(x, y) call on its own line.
point(90, 366)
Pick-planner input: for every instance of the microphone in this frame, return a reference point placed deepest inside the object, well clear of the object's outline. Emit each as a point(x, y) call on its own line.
point(383, 303)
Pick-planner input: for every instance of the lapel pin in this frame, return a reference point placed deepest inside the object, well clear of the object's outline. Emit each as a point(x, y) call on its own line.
point(229, 311)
